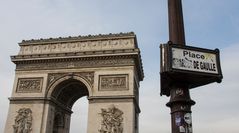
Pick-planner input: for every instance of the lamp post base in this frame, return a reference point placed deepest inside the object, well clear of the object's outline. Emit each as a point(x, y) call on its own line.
point(180, 104)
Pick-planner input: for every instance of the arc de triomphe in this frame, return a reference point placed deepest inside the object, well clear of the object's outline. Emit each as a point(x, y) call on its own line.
point(51, 74)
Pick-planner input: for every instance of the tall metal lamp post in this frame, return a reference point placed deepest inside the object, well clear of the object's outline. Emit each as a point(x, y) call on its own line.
point(180, 102)
point(183, 68)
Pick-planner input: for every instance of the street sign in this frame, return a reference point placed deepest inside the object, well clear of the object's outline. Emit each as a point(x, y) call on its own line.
point(188, 65)
point(197, 61)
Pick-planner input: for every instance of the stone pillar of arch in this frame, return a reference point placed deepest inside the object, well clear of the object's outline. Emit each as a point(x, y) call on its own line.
point(51, 74)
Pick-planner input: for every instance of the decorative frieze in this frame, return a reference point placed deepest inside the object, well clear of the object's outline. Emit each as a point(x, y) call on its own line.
point(73, 64)
point(112, 120)
point(113, 82)
point(29, 85)
point(23, 121)
point(77, 46)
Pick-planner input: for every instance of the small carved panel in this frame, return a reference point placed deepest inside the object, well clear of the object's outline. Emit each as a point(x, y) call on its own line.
point(112, 120)
point(113, 82)
point(29, 85)
point(23, 121)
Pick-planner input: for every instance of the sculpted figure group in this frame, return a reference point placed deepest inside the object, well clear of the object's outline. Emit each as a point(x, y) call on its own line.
point(23, 121)
point(112, 120)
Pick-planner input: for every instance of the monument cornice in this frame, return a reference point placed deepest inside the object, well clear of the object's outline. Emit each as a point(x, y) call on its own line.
point(127, 57)
point(86, 55)
point(79, 38)
point(96, 43)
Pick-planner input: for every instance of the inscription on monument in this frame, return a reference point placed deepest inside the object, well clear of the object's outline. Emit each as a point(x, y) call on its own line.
point(29, 85)
point(112, 120)
point(23, 121)
point(113, 82)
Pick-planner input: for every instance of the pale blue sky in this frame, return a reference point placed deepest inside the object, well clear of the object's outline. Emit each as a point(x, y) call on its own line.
point(208, 24)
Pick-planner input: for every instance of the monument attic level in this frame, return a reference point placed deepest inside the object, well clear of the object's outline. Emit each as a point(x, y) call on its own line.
point(91, 46)
point(51, 74)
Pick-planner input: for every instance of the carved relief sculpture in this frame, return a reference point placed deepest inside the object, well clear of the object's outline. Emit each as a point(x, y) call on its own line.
point(23, 121)
point(112, 120)
point(113, 82)
point(29, 85)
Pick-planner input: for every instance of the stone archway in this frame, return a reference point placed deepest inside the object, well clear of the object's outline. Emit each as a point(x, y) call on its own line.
point(69, 91)
point(64, 89)
point(51, 74)
point(59, 81)
point(65, 93)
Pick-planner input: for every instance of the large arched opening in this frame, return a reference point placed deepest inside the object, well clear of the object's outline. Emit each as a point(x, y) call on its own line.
point(65, 92)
